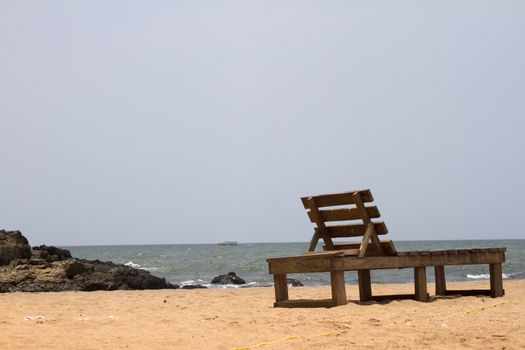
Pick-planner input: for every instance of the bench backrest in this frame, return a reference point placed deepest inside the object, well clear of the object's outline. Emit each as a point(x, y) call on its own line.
point(354, 209)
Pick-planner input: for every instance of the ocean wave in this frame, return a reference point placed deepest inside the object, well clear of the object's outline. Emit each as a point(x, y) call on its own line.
point(132, 264)
point(223, 286)
point(486, 276)
point(137, 266)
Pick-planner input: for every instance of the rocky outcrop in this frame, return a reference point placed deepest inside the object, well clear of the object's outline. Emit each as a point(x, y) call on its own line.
point(13, 246)
point(48, 268)
point(50, 253)
point(229, 278)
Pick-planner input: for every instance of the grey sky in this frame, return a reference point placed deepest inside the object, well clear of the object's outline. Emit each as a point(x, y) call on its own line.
point(127, 122)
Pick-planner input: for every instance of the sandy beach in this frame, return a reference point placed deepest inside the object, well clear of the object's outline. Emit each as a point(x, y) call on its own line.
point(245, 319)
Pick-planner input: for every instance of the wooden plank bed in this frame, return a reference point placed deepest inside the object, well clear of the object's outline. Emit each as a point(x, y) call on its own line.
point(370, 254)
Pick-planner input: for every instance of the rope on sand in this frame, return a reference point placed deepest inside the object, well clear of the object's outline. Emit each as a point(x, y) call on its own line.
point(279, 341)
point(420, 320)
point(460, 312)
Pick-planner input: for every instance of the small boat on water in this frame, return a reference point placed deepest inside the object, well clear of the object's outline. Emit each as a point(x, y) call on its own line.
point(227, 243)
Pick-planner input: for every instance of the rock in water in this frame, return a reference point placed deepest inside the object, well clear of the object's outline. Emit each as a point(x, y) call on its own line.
point(294, 283)
point(13, 246)
point(229, 278)
point(194, 286)
point(47, 268)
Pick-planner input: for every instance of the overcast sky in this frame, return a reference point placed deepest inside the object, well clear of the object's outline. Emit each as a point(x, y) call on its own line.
point(129, 122)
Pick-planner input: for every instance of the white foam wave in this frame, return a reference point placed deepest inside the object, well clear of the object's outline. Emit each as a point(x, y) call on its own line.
point(132, 264)
point(149, 268)
point(485, 276)
point(192, 282)
point(222, 286)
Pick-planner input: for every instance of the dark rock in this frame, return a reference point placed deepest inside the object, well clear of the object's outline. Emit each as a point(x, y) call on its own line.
point(229, 278)
point(294, 283)
point(74, 268)
point(50, 253)
point(194, 286)
point(54, 269)
point(13, 246)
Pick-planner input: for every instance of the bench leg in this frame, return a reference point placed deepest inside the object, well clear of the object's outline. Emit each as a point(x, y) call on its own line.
point(281, 287)
point(441, 284)
point(338, 287)
point(365, 287)
point(420, 283)
point(496, 280)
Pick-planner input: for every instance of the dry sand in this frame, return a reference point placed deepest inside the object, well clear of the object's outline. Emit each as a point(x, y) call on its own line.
point(245, 319)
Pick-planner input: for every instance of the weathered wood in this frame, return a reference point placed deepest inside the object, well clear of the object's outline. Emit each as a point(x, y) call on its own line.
point(402, 261)
point(365, 285)
point(321, 227)
point(366, 220)
point(313, 241)
point(355, 230)
point(346, 252)
point(392, 297)
point(420, 284)
point(361, 207)
point(441, 285)
point(305, 263)
point(305, 303)
point(302, 264)
point(371, 254)
point(496, 280)
point(469, 292)
point(388, 248)
point(334, 199)
point(281, 287)
point(310, 255)
point(366, 239)
point(344, 214)
point(337, 280)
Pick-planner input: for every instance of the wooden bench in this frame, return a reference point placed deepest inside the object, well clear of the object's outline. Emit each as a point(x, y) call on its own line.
point(370, 253)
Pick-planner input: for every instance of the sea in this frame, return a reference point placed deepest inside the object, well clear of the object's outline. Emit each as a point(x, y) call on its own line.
point(198, 264)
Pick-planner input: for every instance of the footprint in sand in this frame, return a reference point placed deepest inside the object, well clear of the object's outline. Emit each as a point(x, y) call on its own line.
point(374, 322)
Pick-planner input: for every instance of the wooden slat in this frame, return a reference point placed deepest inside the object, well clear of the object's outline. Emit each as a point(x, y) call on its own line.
point(313, 241)
point(361, 207)
point(344, 198)
point(301, 264)
point(355, 230)
point(370, 234)
point(305, 303)
point(346, 252)
point(391, 262)
point(308, 256)
point(385, 297)
point(468, 292)
point(321, 227)
point(388, 248)
point(345, 214)
point(366, 239)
